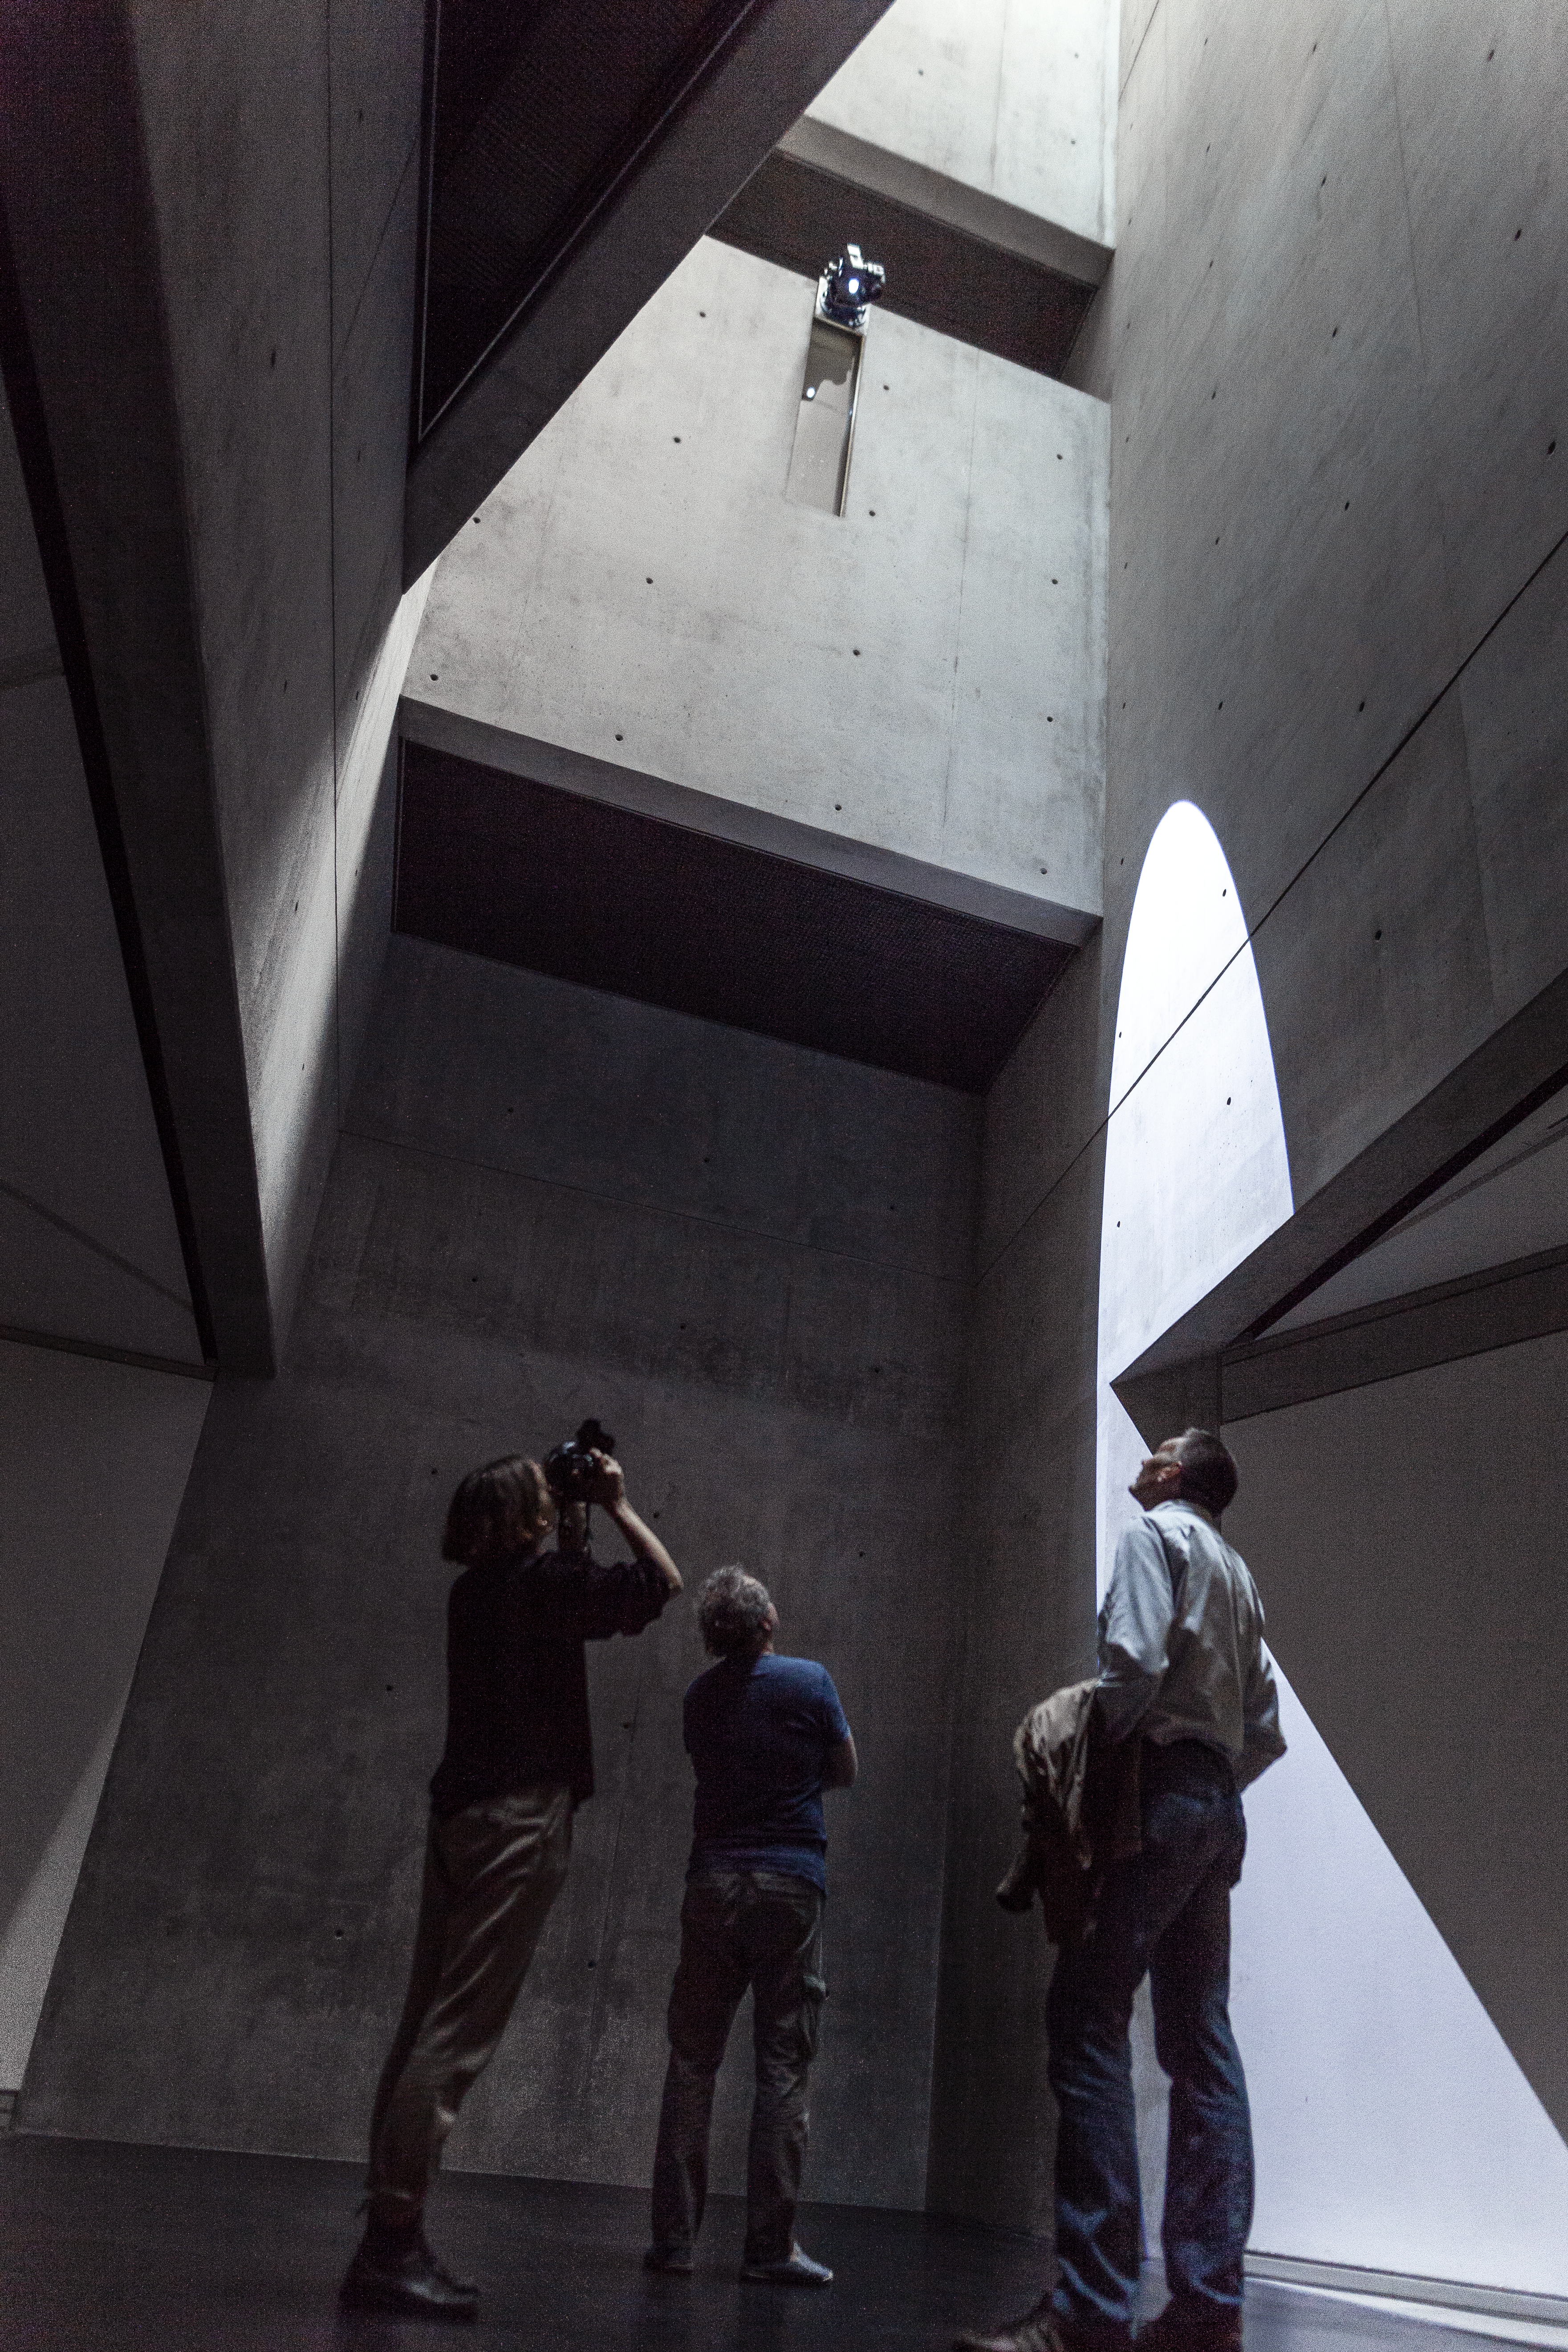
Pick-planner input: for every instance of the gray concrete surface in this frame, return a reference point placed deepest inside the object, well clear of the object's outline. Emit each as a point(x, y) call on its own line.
point(621, 246)
point(1313, 532)
point(1306, 670)
point(1015, 98)
point(754, 1263)
point(93, 1458)
point(1028, 1560)
point(89, 1248)
point(921, 677)
point(1424, 1663)
point(224, 386)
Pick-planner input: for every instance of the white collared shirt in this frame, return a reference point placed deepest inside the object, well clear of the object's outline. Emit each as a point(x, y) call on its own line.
point(1180, 1641)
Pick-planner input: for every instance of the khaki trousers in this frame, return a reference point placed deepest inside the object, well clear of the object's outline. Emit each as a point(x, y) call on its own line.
point(741, 1927)
point(491, 1873)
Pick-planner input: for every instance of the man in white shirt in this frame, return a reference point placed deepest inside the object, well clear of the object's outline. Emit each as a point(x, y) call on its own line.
point(1183, 1670)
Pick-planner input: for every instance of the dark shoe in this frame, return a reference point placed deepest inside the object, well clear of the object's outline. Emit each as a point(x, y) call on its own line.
point(674, 2259)
point(796, 2270)
point(1183, 2330)
point(1040, 2330)
point(399, 2273)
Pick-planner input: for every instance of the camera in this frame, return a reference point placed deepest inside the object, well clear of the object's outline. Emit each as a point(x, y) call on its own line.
point(570, 1468)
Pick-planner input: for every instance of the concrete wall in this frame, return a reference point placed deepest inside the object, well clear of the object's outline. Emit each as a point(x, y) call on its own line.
point(921, 680)
point(1419, 1621)
point(1028, 1558)
point(1396, 1641)
point(754, 1263)
point(93, 1458)
point(1013, 97)
point(1337, 507)
point(282, 152)
point(1338, 501)
point(89, 1248)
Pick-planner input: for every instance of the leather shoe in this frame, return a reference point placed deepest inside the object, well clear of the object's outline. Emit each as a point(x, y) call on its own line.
point(1179, 2330)
point(796, 2269)
point(400, 2275)
point(674, 2259)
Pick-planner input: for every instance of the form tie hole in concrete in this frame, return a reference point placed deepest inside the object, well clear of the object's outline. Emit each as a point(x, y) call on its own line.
point(1049, 720)
point(1377, 935)
point(873, 511)
point(1054, 581)
point(650, 577)
point(1551, 449)
point(434, 675)
point(677, 445)
point(702, 314)
point(1334, 332)
point(1361, 706)
point(620, 739)
point(476, 518)
point(856, 651)
point(838, 808)
point(1517, 235)
point(273, 361)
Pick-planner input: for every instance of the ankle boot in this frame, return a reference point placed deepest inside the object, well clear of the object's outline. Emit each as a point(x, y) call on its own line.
point(394, 2270)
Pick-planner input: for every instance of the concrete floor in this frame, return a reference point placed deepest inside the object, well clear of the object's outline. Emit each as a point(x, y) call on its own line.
point(147, 2248)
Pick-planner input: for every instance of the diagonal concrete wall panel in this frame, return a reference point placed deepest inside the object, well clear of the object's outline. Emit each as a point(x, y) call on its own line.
point(1396, 2129)
point(1423, 1617)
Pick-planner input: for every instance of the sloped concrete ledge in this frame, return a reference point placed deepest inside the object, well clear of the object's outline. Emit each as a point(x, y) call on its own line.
point(749, 828)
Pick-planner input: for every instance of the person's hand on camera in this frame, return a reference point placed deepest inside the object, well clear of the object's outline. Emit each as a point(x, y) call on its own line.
point(609, 1486)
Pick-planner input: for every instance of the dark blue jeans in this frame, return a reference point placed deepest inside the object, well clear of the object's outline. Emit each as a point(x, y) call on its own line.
point(1166, 1913)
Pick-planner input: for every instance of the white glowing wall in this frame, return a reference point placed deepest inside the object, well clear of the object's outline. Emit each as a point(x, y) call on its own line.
point(1395, 2129)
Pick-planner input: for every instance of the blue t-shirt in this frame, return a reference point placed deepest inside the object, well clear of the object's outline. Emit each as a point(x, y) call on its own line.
point(758, 1732)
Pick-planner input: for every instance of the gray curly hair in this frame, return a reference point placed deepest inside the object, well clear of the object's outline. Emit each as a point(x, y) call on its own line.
point(732, 1613)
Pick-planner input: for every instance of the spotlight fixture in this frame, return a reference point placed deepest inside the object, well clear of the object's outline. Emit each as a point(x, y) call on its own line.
point(848, 287)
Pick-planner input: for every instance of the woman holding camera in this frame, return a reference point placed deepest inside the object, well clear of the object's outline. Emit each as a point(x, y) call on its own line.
point(518, 1758)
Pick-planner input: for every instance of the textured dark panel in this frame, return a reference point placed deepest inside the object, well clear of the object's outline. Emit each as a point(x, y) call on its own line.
point(794, 215)
point(532, 876)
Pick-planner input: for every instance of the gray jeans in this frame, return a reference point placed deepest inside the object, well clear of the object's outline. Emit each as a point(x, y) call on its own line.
point(491, 1873)
point(741, 1927)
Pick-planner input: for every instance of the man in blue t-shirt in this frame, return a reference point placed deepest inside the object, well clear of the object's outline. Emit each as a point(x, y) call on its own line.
point(766, 1735)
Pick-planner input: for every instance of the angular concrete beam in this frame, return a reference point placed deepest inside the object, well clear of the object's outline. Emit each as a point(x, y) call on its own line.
point(89, 377)
point(748, 826)
point(1523, 1062)
point(958, 259)
point(778, 54)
